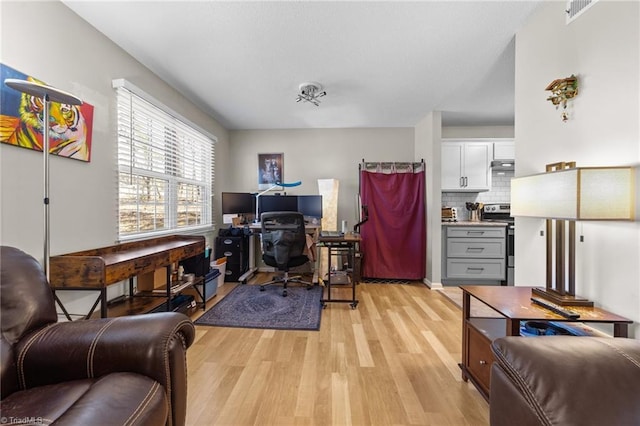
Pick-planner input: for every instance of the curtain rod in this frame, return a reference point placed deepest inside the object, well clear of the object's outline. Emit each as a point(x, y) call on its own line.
point(389, 164)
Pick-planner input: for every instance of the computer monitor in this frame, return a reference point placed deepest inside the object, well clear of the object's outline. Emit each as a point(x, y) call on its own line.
point(277, 203)
point(238, 203)
point(310, 205)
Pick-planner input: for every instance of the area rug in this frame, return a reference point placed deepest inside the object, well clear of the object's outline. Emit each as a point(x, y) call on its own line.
point(366, 280)
point(247, 307)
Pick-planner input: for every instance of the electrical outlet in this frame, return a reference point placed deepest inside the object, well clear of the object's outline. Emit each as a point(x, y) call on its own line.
point(582, 238)
point(541, 233)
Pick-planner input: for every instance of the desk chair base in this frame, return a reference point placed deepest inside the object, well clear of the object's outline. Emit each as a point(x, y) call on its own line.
point(285, 280)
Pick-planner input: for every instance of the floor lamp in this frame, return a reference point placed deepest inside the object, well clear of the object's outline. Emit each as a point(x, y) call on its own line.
point(48, 94)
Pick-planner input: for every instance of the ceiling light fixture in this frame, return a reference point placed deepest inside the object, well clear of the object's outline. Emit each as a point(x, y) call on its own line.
point(310, 92)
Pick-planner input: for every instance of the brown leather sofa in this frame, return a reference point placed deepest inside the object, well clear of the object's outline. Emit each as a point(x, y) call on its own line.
point(565, 380)
point(112, 371)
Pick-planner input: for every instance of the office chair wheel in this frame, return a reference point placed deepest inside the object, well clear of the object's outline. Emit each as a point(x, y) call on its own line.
point(354, 305)
point(284, 293)
point(262, 288)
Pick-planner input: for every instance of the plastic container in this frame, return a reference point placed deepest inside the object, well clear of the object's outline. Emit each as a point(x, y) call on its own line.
point(220, 265)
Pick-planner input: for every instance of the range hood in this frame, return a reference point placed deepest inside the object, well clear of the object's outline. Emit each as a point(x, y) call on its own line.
point(503, 165)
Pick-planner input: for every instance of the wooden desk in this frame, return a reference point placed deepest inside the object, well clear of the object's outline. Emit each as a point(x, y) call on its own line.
point(98, 268)
point(514, 304)
point(349, 244)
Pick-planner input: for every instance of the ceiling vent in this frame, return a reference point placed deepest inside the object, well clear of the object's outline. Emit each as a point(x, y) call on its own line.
point(576, 8)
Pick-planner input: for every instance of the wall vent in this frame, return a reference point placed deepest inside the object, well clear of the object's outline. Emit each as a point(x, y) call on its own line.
point(576, 8)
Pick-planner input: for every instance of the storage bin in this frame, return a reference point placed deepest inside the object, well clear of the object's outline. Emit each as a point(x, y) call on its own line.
point(220, 265)
point(211, 281)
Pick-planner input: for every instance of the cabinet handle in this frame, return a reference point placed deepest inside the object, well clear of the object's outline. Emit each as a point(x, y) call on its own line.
point(466, 181)
point(475, 269)
point(476, 249)
point(461, 181)
point(483, 362)
point(475, 232)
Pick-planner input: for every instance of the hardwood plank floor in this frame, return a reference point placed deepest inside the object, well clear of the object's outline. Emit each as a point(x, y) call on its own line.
point(391, 361)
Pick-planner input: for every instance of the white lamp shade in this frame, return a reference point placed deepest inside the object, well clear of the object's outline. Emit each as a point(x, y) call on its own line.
point(583, 193)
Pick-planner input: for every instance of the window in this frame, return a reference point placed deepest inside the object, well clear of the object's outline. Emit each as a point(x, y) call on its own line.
point(165, 168)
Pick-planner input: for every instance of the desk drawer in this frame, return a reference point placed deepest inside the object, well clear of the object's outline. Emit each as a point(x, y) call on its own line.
point(476, 247)
point(486, 269)
point(480, 357)
point(476, 232)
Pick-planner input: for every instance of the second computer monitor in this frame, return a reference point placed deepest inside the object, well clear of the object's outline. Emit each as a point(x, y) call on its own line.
point(277, 203)
point(310, 205)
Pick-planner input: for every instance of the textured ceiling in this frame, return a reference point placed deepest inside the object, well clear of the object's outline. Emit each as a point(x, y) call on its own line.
point(383, 64)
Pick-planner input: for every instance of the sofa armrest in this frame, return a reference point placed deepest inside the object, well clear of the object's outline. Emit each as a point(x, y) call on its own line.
point(565, 380)
point(153, 345)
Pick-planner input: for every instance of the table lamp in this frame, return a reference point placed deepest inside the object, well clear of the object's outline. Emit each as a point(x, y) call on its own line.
point(563, 195)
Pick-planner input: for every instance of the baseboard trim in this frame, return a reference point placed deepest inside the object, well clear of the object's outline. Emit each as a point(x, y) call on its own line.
point(432, 286)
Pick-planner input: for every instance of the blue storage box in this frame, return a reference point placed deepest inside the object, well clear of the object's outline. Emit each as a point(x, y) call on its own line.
point(210, 284)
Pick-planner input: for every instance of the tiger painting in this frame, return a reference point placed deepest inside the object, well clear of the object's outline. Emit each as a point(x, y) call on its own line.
point(67, 127)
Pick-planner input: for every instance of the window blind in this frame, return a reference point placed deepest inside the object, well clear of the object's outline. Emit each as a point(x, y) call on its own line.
point(165, 169)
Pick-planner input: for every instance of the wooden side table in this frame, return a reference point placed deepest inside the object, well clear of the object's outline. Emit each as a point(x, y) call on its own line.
point(514, 305)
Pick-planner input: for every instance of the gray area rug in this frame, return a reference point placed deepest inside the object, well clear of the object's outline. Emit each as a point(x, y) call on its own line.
point(247, 307)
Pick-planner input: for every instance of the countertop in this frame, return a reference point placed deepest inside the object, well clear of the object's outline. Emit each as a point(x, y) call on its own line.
point(469, 223)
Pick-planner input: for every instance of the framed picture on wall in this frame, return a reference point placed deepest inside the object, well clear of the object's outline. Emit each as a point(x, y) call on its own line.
point(70, 126)
point(270, 170)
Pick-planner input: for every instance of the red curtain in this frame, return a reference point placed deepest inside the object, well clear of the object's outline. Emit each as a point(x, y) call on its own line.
point(393, 239)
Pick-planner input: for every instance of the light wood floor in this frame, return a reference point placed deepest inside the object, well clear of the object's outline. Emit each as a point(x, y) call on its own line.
point(391, 361)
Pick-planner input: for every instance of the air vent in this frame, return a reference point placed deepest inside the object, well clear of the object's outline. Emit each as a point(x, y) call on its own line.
point(576, 8)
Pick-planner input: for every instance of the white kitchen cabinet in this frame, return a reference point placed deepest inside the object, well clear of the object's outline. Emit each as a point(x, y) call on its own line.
point(504, 150)
point(466, 166)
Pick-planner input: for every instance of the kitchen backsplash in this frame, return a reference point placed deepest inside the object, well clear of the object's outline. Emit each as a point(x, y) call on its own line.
point(500, 193)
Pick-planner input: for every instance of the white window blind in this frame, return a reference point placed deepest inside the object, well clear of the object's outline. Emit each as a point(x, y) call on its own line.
point(165, 169)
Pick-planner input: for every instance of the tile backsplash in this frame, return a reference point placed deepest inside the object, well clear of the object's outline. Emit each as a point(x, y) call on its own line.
point(500, 193)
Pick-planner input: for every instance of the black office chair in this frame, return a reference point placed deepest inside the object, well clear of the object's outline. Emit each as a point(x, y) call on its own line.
point(283, 242)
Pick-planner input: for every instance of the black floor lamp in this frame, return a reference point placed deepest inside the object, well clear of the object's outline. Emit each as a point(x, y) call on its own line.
point(48, 94)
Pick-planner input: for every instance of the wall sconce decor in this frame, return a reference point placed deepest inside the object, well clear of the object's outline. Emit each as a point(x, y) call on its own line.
point(562, 90)
point(562, 195)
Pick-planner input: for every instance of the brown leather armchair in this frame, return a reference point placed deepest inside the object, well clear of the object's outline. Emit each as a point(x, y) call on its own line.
point(565, 380)
point(112, 371)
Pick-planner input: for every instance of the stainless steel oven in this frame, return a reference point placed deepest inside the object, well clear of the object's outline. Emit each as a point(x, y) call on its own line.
point(502, 213)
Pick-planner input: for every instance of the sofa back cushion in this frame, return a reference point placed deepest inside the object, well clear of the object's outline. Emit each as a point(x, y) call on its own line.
point(25, 296)
point(26, 304)
point(8, 372)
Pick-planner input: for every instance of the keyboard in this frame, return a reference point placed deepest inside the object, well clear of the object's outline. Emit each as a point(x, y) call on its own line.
point(331, 234)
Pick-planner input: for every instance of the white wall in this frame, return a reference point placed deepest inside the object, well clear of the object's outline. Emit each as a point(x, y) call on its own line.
point(602, 48)
point(427, 145)
point(478, 132)
point(77, 58)
point(315, 154)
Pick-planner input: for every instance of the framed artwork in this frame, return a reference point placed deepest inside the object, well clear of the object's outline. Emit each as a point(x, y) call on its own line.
point(270, 170)
point(70, 126)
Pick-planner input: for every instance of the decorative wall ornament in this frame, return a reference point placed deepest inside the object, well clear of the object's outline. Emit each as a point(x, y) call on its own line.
point(562, 90)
